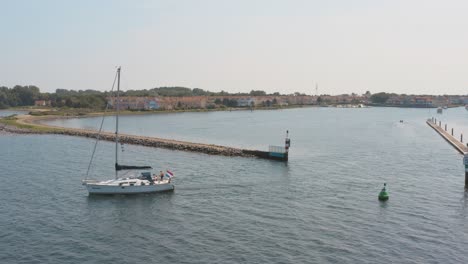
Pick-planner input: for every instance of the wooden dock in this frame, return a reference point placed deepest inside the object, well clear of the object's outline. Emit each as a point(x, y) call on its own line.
point(459, 146)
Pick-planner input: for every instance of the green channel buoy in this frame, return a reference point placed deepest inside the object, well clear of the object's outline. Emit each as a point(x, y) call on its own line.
point(383, 195)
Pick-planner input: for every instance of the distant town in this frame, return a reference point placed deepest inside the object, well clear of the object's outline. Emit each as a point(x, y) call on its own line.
point(181, 98)
point(353, 100)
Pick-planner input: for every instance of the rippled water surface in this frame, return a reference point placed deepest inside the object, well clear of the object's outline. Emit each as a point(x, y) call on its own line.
point(321, 207)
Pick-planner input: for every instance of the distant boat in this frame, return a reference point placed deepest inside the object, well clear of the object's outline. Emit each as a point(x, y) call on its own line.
point(439, 110)
point(445, 107)
point(138, 180)
point(466, 107)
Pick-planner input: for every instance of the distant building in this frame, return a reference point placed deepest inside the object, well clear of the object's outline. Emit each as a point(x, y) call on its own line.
point(42, 103)
point(423, 101)
point(158, 102)
point(396, 100)
point(411, 101)
point(202, 102)
point(134, 103)
point(242, 102)
point(152, 105)
point(187, 102)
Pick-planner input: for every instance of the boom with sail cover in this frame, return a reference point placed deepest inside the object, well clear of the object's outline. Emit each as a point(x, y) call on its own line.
point(127, 167)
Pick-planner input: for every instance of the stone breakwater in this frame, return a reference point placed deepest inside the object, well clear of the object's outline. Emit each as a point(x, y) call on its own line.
point(8, 130)
point(141, 140)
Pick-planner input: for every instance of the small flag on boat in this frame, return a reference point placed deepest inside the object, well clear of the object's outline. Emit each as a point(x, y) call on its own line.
point(169, 174)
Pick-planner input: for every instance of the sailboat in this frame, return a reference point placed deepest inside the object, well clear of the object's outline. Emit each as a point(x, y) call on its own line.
point(135, 179)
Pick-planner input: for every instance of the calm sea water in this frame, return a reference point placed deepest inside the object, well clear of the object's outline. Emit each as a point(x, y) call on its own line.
point(11, 112)
point(320, 207)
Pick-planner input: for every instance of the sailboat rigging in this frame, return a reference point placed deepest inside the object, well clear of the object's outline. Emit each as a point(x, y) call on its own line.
point(142, 181)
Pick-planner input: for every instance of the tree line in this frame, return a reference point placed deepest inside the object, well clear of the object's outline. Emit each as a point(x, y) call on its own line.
point(18, 96)
point(27, 95)
point(177, 91)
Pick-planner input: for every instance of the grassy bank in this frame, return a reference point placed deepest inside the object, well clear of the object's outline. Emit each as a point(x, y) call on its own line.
point(15, 122)
point(83, 112)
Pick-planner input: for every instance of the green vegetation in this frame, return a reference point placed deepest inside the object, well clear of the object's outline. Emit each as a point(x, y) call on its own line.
point(13, 121)
point(380, 98)
point(26, 96)
point(229, 102)
point(18, 96)
point(183, 91)
point(77, 99)
point(257, 93)
point(167, 91)
point(65, 111)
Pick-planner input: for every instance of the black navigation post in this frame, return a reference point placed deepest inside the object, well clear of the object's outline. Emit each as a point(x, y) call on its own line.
point(287, 144)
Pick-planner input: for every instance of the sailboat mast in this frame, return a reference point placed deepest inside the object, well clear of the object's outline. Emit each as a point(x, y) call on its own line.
point(117, 125)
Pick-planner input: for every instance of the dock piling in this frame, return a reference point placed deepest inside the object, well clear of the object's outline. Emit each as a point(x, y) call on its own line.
point(458, 145)
point(440, 123)
point(455, 142)
point(465, 162)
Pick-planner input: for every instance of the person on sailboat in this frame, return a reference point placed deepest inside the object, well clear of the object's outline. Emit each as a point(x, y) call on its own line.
point(161, 175)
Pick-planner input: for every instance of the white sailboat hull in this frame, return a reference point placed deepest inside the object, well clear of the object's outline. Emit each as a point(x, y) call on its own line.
point(112, 189)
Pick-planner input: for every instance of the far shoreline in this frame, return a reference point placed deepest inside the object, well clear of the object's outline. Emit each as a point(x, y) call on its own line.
point(59, 113)
point(38, 114)
point(32, 120)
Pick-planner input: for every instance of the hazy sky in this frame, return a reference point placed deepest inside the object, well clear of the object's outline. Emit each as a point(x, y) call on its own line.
point(403, 46)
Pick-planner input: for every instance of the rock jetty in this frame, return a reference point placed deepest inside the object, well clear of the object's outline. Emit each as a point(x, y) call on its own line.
point(136, 140)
